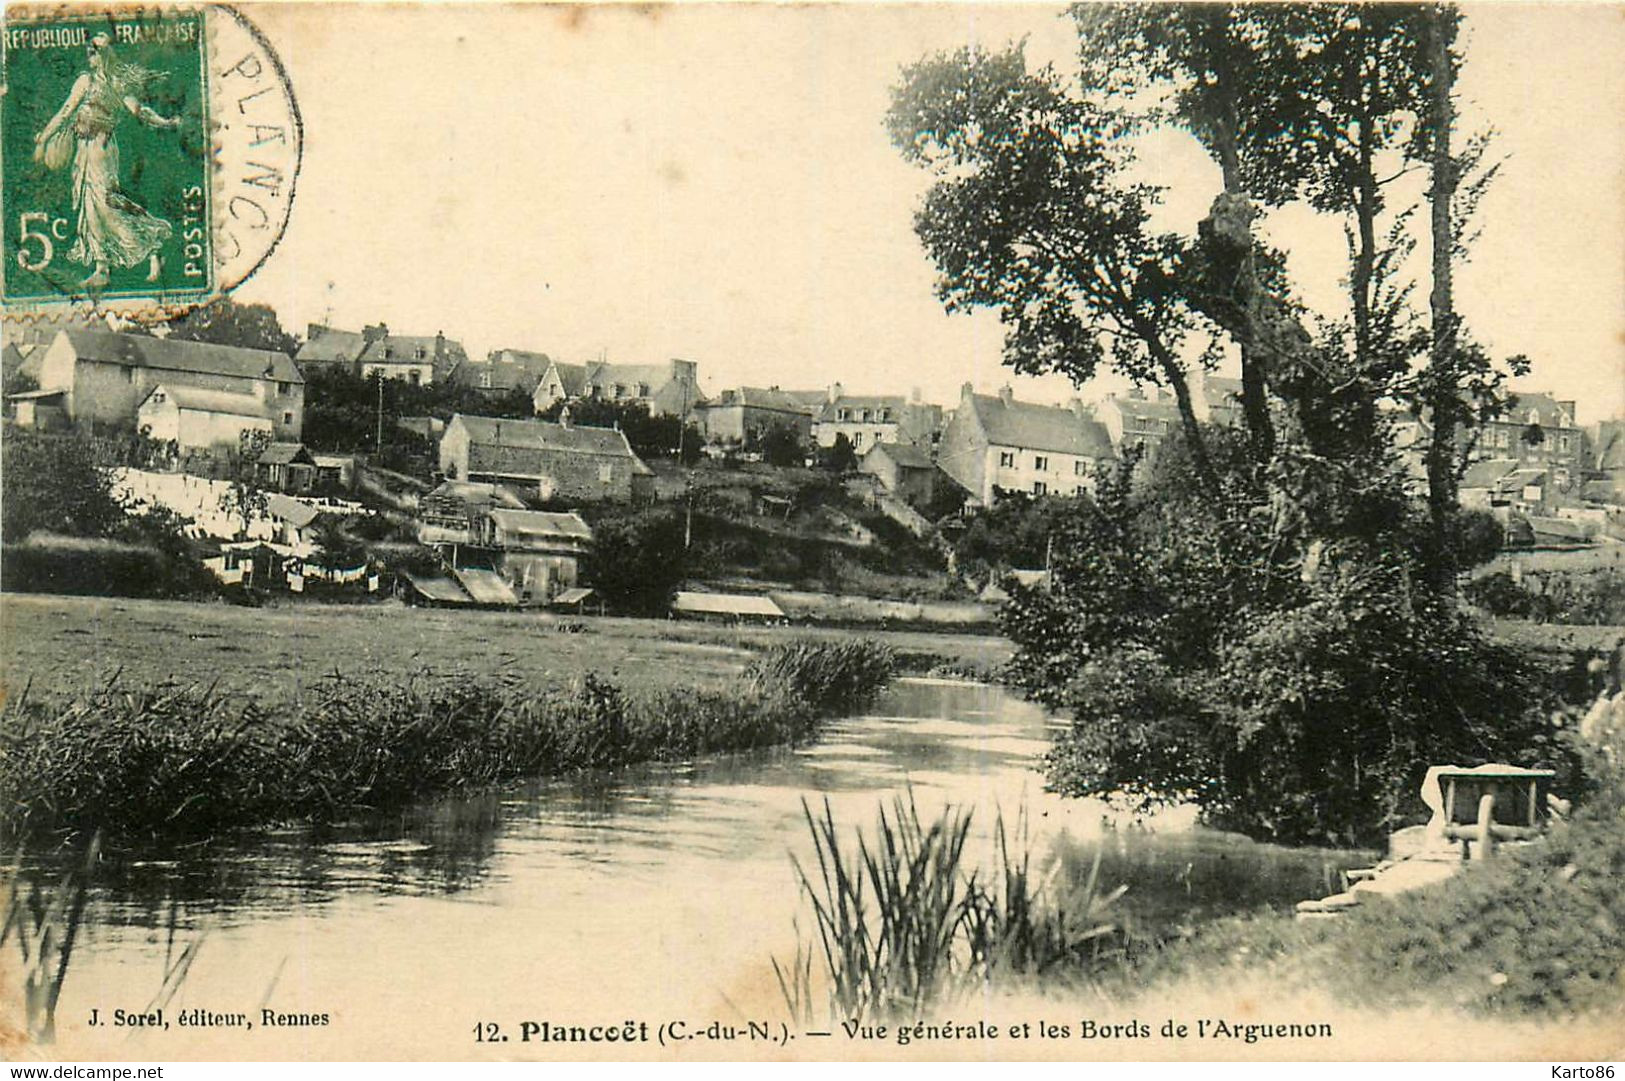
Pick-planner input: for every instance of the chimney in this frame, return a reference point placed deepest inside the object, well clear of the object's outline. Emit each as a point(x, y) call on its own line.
point(1079, 410)
point(835, 391)
point(967, 391)
point(1006, 395)
point(914, 394)
point(372, 334)
point(314, 331)
point(439, 344)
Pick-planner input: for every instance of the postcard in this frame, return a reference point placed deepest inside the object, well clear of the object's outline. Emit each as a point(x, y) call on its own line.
point(861, 532)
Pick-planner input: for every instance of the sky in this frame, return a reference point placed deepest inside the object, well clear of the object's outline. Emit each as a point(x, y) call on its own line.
point(715, 182)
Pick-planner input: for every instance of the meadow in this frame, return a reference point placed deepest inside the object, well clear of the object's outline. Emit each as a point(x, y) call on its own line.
point(74, 644)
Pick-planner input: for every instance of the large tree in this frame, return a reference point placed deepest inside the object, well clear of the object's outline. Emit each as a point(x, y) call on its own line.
point(1032, 214)
point(226, 322)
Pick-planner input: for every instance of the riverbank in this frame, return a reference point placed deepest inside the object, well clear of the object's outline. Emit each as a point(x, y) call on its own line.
point(186, 759)
point(68, 643)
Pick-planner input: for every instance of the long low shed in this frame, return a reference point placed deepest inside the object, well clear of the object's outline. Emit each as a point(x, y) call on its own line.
point(725, 606)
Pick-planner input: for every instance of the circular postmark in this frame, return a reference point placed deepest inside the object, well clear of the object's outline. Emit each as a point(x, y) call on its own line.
point(148, 158)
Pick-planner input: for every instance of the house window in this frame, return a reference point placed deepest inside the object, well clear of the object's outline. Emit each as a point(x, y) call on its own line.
point(1040, 462)
point(842, 414)
point(1007, 459)
point(421, 352)
point(1080, 468)
point(606, 472)
point(885, 414)
point(643, 390)
point(485, 380)
point(1040, 488)
point(389, 351)
point(284, 388)
point(415, 376)
point(287, 418)
point(863, 414)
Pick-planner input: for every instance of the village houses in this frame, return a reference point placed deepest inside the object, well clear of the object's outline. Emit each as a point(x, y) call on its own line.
point(560, 461)
point(504, 371)
point(375, 351)
point(995, 443)
point(903, 469)
point(487, 528)
point(868, 419)
point(195, 393)
point(745, 414)
point(1136, 420)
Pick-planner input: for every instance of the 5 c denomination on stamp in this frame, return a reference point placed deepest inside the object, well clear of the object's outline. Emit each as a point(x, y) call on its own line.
point(148, 157)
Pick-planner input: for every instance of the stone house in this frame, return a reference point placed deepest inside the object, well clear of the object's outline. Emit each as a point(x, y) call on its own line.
point(1135, 420)
point(197, 419)
point(669, 390)
point(104, 378)
point(565, 462)
point(560, 382)
point(867, 419)
point(995, 443)
point(744, 414)
point(375, 351)
point(504, 371)
point(903, 469)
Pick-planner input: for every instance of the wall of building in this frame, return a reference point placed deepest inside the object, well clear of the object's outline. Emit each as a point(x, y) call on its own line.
point(423, 372)
point(1016, 469)
point(962, 453)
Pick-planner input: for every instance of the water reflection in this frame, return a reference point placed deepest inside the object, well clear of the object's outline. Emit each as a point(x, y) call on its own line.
point(610, 881)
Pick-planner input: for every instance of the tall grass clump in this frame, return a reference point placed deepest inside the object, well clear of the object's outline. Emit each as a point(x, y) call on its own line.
point(188, 760)
point(903, 920)
point(830, 677)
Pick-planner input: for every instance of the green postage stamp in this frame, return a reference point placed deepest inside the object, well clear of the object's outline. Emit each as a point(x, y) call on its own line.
point(148, 155)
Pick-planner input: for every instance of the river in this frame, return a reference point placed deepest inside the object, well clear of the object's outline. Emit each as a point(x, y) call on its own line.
point(654, 893)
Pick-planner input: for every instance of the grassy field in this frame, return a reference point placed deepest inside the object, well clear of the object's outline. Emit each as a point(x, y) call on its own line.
point(71, 644)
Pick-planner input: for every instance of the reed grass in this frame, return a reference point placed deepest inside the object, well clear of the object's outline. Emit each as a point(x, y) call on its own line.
point(172, 759)
point(903, 921)
point(44, 923)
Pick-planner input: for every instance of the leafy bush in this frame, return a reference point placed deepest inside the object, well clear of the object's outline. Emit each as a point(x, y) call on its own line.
point(1595, 598)
point(637, 561)
point(1295, 699)
point(54, 483)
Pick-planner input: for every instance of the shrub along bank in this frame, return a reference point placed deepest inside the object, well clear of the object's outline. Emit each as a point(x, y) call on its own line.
point(184, 760)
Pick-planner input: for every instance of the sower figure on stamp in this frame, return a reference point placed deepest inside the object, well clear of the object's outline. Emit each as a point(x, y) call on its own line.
point(113, 230)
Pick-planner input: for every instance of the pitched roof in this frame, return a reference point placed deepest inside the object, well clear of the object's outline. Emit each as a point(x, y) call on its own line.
point(1548, 410)
point(1040, 427)
point(509, 369)
point(138, 350)
point(1610, 444)
point(197, 399)
point(895, 402)
point(906, 455)
point(1145, 407)
point(1488, 473)
point(331, 345)
point(283, 454)
point(726, 604)
point(536, 522)
point(761, 398)
point(572, 376)
point(290, 510)
point(497, 432)
point(654, 376)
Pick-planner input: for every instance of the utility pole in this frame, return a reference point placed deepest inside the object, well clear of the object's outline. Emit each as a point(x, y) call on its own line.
point(380, 377)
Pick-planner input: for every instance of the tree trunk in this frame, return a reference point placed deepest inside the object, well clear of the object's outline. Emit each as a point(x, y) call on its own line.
point(1443, 393)
point(1175, 376)
point(1254, 381)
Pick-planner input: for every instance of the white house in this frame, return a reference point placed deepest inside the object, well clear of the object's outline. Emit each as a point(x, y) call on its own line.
point(193, 417)
point(997, 444)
